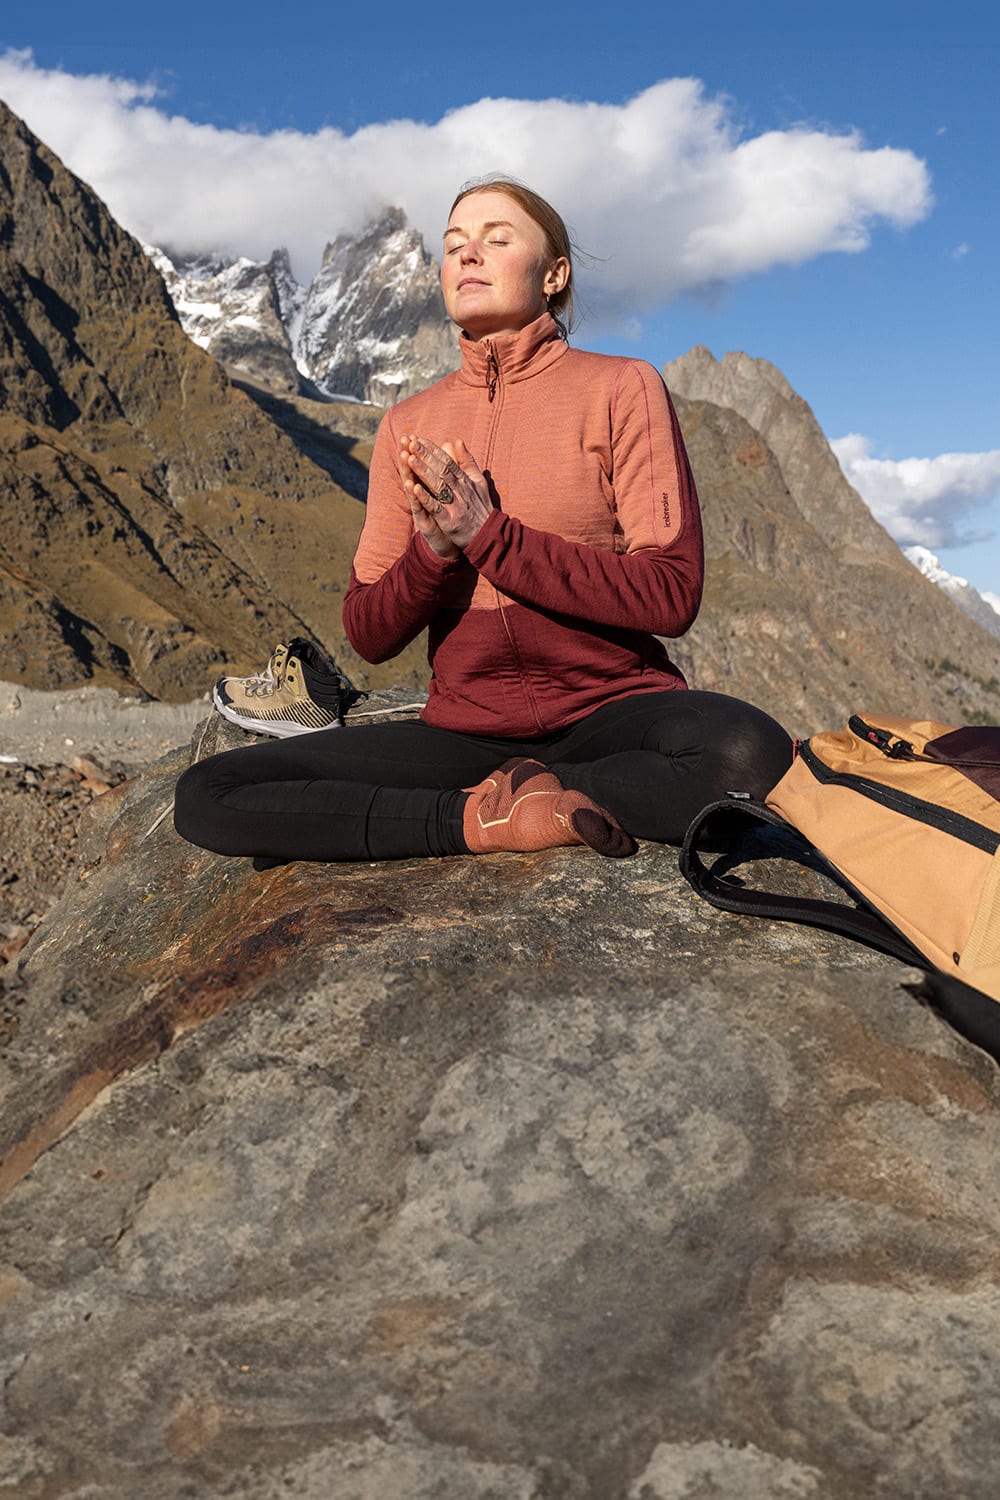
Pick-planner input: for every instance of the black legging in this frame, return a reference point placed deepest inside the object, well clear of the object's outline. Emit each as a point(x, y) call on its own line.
point(394, 791)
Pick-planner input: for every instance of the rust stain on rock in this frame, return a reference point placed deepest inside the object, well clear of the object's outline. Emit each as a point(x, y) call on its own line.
point(753, 456)
point(196, 1423)
point(129, 1031)
point(26, 1151)
point(405, 1321)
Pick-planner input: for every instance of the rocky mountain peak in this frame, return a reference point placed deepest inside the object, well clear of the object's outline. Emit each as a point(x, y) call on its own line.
point(60, 253)
point(959, 589)
point(763, 397)
point(288, 293)
point(373, 320)
point(236, 310)
point(810, 608)
point(742, 378)
point(371, 326)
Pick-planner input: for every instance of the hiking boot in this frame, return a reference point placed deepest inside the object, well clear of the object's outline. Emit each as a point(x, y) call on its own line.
point(523, 807)
point(278, 700)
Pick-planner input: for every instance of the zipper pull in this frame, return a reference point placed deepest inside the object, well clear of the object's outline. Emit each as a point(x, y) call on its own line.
point(889, 744)
point(492, 371)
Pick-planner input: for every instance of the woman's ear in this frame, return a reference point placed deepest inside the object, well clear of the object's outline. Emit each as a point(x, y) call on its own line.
point(556, 277)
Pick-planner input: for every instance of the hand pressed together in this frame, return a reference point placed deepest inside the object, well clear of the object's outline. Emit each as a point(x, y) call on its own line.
point(448, 493)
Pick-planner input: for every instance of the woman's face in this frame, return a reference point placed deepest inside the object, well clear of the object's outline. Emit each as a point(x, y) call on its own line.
point(496, 271)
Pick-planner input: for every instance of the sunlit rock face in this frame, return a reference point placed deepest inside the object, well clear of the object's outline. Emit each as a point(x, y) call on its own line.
point(810, 608)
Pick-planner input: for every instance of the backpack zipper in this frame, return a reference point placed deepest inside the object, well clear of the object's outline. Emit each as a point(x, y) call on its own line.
point(896, 748)
point(891, 745)
point(959, 827)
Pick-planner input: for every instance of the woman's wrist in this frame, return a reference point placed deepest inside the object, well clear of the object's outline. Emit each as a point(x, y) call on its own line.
point(440, 547)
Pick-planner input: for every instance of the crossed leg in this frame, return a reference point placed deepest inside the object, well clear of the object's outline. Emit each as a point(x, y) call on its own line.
point(394, 791)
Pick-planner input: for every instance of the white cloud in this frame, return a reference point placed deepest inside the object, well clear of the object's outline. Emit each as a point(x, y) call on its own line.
point(930, 502)
point(664, 189)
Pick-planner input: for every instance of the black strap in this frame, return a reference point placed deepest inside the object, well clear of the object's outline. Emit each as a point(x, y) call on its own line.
point(971, 1012)
point(864, 925)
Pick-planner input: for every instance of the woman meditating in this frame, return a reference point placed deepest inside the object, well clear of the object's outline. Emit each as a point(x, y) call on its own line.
point(535, 512)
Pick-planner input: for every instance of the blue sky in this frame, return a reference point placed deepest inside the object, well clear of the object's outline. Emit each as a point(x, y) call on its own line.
point(894, 342)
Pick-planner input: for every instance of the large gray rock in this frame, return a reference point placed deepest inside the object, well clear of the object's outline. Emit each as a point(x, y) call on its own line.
point(520, 1176)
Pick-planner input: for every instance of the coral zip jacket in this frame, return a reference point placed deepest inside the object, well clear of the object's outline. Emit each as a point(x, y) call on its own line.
point(592, 551)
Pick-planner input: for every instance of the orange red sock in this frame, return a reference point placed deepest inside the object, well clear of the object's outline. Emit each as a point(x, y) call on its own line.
point(523, 807)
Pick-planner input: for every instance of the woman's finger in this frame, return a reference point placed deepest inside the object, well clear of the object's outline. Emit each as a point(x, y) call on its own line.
point(431, 532)
point(448, 483)
point(467, 463)
point(433, 466)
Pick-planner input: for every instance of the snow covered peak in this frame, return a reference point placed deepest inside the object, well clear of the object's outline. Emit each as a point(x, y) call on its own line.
point(235, 309)
point(373, 320)
point(370, 327)
point(960, 590)
point(931, 568)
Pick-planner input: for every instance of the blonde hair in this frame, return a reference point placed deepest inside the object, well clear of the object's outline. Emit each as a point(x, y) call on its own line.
point(557, 240)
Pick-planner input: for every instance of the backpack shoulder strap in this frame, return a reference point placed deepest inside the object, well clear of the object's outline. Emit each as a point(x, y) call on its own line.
point(732, 819)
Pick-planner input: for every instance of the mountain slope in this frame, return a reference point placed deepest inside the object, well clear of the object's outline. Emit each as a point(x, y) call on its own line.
point(810, 609)
point(158, 527)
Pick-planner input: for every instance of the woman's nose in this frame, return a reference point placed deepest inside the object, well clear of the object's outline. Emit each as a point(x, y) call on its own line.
point(471, 251)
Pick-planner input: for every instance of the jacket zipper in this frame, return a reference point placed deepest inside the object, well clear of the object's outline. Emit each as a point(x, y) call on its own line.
point(494, 384)
point(492, 371)
point(959, 827)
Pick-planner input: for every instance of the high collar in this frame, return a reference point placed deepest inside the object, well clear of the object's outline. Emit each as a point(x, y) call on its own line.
point(515, 356)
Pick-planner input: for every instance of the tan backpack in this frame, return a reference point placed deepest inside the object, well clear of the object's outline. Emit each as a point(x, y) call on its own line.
point(905, 815)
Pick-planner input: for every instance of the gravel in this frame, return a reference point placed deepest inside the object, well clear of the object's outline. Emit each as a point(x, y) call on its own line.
point(51, 728)
point(58, 751)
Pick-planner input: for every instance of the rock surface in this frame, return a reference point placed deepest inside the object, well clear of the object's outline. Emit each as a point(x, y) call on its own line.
point(520, 1176)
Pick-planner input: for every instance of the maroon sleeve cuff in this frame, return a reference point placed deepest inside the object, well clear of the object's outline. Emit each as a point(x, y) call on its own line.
point(486, 538)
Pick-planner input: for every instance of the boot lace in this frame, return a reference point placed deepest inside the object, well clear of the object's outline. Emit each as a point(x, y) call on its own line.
point(263, 684)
